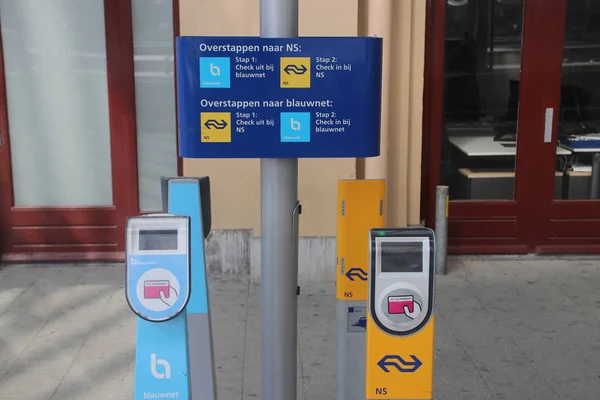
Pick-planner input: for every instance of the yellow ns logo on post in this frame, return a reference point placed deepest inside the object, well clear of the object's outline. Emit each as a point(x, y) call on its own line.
point(215, 127)
point(294, 72)
point(399, 367)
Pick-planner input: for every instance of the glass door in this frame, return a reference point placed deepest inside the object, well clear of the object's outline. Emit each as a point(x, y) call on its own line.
point(572, 221)
point(67, 173)
point(479, 148)
point(501, 109)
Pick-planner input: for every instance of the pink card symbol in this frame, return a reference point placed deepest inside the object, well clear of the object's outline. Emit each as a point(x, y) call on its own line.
point(396, 304)
point(152, 289)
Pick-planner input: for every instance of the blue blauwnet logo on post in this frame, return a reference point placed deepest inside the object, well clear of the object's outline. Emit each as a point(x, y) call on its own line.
point(161, 360)
point(295, 127)
point(214, 72)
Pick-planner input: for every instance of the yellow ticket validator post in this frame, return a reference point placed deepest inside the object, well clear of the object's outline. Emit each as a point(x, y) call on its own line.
point(399, 361)
point(360, 208)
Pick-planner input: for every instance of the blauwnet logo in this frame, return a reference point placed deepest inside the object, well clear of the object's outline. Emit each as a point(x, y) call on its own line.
point(295, 127)
point(214, 72)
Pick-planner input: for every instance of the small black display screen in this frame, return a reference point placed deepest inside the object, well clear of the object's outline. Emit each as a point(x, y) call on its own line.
point(158, 240)
point(402, 256)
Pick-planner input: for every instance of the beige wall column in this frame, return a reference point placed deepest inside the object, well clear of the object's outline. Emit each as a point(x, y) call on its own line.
point(379, 24)
point(401, 23)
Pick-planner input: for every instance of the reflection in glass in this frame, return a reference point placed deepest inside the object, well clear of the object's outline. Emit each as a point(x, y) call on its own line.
point(57, 99)
point(579, 114)
point(401, 257)
point(481, 101)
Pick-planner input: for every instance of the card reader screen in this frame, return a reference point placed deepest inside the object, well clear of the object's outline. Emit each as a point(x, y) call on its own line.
point(402, 256)
point(158, 240)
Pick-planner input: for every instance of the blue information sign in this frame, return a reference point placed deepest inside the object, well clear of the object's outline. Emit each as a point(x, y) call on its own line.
point(250, 97)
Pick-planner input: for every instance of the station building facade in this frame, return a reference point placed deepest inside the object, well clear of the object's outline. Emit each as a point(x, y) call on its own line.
point(88, 125)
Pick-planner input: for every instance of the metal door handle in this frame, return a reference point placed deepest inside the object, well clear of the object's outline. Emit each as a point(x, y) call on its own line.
point(548, 125)
point(296, 239)
point(295, 213)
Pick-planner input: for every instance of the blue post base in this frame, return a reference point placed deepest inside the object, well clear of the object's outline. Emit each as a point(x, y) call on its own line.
point(161, 359)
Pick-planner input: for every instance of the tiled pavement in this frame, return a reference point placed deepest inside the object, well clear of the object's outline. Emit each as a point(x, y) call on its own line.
point(509, 329)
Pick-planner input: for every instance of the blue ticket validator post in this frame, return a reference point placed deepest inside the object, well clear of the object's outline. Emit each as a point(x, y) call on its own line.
point(191, 197)
point(158, 290)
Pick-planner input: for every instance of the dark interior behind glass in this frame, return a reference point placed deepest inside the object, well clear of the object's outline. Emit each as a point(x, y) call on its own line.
point(402, 256)
point(481, 90)
point(158, 240)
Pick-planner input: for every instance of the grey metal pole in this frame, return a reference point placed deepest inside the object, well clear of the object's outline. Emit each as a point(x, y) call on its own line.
point(595, 185)
point(441, 228)
point(279, 278)
point(279, 242)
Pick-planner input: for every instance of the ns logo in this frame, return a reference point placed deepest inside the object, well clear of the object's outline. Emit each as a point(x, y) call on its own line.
point(381, 391)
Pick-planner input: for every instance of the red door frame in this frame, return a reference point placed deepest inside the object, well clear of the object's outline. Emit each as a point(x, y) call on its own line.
point(82, 233)
point(176, 33)
point(562, 226)
point(534, 221)
point(480, 227)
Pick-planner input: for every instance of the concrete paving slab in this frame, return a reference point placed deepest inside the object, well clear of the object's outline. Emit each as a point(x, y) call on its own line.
point(44, 356)
point(316, 337)
point(453, 307)
point(229, 300)
point(508, 329)
point(17, 384)
point(251, 380)
point(119, 388)
point(96, 362)
point(9, 296)
point(17, 333)
point(577, 387)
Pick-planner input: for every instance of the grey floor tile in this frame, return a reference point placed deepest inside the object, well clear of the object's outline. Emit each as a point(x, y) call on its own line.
point(461, 385)
point(19, 386)
point(578, 387)
point(449, 358)
point(504, 330)
point(108, 274)
point(252, 365)
point(118, 388)
point(116, 326)
point(8, 295)
point(320, 388)
point(558, 359)
point(455, 374)
point(84, 301)
point(527, 339)
point(228, 393)
point(94, 362)
point(317, 332)
point(66, 325)
point(14, 281)
point(454, 309)
point(45, 357)
point(508, 372)
point(590, 352)
point(17, 333)
point(4, 367)
point(229, 299)
point(510, 385)
point(482, 339)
